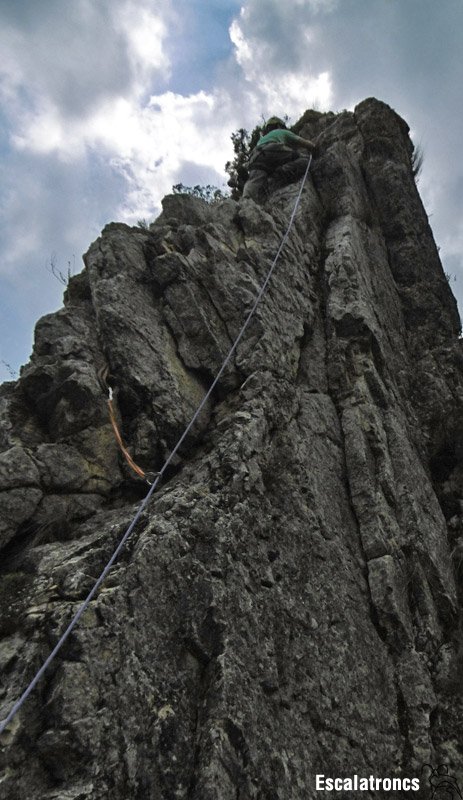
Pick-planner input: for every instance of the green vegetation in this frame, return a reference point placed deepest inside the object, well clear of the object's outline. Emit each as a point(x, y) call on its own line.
point(211, 194)
point(243, 144)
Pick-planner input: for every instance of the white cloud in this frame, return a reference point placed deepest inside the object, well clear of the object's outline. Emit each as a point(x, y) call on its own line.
point(280, 88)
point(145, 140)
point(171, 130)
point(243, 50)
point(74, 63)
point(146, 33)
point(41, 131)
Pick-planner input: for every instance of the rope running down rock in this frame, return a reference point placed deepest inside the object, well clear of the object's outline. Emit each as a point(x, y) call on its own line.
point(14, 710)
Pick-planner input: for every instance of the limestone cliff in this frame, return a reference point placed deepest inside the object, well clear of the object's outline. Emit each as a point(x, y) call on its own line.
point(291, 602)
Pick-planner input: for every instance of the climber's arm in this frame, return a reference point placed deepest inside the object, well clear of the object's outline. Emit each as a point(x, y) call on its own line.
point(299, 141)
point(306, 143)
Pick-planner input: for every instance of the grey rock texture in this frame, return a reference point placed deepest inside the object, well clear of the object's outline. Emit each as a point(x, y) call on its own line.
point(291, 601)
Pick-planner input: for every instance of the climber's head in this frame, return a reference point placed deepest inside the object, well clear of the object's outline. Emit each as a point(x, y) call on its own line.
point(272, 124)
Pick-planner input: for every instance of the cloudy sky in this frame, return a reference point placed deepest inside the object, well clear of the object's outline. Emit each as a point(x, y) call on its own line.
point(105, 104)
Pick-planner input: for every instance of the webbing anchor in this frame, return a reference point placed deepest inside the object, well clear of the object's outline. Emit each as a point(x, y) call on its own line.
point(103, 375)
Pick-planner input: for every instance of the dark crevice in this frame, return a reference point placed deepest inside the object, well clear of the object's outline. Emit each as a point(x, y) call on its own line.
point(218, 311)
point(11, 554)
point(375, 620)
point(404, 721)
point(338, 408)
point(205, 679)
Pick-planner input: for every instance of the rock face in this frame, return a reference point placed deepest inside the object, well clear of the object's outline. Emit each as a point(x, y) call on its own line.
point(290, 603)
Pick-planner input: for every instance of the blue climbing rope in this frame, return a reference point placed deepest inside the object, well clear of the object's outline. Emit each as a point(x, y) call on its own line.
point(120, 546)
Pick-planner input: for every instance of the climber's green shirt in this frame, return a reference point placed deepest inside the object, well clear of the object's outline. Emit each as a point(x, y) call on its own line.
point(280, 136)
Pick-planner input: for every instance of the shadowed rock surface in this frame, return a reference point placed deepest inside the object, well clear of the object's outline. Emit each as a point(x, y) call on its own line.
point(290, 603)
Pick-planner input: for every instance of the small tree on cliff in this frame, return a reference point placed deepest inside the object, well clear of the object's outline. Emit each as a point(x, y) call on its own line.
point(243, 144)
point(211, 194)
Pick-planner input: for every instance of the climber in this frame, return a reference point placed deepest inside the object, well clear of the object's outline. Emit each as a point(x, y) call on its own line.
point(277, 148)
